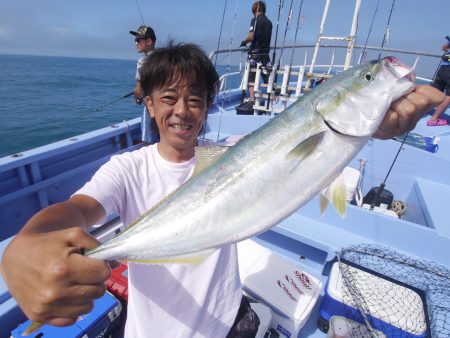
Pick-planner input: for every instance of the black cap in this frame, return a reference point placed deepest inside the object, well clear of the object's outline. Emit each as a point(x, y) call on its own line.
point(145, 32)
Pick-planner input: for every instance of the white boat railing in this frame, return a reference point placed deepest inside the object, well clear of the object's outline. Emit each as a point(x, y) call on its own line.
point(293, 80)
point(408, 56)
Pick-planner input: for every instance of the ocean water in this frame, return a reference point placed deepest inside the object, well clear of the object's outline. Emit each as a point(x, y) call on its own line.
point(48, 99)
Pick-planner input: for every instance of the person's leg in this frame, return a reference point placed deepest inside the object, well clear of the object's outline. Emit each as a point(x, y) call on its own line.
point(251, 93)
point(251, 79)
point(440, 109)
point(435, 119)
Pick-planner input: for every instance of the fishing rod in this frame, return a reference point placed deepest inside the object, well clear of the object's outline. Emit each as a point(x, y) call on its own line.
point(383, 184)
point(280, 6)
point(228, 64)
point(388, 28)
point(220, 33)
point(140, 13)
point(285, 34)
point(100, 108)
point(277, 68)
point(296, 32)
point(363, 53)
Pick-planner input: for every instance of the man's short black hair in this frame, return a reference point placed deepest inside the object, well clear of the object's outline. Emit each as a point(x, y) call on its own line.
point(170, 64)
point(259, 6)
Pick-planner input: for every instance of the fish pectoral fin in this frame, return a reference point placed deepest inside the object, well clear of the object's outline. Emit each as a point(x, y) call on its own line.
point(306, 147)
point(34, 326)
point(205, 156)
point(192, 259)
point(335, 193)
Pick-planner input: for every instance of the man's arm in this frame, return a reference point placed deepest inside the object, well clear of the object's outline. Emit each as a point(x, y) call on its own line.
point(44, 268)
point(406, 111)
point(248, 39)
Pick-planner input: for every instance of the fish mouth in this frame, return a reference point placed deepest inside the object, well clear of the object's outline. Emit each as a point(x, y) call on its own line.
point(399, 69)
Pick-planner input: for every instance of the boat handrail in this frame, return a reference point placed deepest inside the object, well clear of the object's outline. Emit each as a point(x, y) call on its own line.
point(224, 77)
point(298, 46)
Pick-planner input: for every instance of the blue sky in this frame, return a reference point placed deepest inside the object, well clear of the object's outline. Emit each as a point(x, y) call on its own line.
point(99, 28)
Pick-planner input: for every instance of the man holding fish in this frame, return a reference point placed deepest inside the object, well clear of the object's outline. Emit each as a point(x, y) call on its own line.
point(54, 283)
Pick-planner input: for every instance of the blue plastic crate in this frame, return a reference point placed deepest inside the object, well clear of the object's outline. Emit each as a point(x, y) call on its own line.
point(101, 321)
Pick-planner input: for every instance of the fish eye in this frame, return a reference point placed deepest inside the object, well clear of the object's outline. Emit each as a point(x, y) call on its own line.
point(368, 77)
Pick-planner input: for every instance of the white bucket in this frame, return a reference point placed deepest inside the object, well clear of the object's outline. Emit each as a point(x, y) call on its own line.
point(351, 178)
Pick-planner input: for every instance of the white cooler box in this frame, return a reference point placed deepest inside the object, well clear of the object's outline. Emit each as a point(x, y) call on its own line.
point(289, 292)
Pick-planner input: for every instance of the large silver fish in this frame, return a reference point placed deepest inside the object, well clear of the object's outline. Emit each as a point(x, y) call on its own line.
point(270, 173)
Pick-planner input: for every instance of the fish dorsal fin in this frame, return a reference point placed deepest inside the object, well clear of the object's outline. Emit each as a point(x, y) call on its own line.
point(192, 259)
point(205, 156)
point(335, 193)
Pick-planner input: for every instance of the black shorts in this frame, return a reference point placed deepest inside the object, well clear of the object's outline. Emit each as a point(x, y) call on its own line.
point(442, 80)
point(264, 60)
point(246, 323)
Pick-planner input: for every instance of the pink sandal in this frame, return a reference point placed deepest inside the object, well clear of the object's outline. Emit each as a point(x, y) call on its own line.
point(438, 122)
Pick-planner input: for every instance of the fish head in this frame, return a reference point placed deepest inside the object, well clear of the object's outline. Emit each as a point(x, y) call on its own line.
point(355, 101)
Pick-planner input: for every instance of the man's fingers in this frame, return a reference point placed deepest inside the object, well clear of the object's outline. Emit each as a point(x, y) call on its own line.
point(389, 126)
point(79, 295)
point(89, 271)
point(65, 314)
point(407, 110)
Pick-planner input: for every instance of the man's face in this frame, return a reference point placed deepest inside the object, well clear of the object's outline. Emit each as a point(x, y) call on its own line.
point(180, 111)
point(143, 45)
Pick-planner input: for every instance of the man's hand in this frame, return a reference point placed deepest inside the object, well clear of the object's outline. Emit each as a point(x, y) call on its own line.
point(44, 268)
point(407, 110)
point(243, 44)
point(138, 94)
point(51, 280)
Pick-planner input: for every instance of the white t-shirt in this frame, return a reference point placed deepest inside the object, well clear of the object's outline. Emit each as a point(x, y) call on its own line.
point(140, 63)
point(168, 300)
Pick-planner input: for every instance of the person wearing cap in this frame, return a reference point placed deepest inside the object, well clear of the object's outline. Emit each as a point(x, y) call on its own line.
point(145, 40)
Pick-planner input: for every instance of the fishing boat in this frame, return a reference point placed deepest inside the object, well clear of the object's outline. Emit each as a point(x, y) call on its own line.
point(382, 271)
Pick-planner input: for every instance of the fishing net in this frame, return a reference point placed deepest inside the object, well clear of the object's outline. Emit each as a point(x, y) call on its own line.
point(393, 295)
